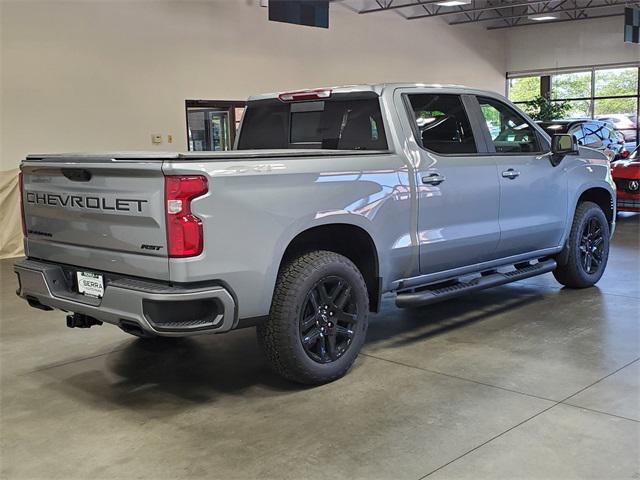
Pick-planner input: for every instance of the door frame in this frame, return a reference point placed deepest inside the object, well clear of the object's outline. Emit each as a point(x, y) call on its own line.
point(228, 105)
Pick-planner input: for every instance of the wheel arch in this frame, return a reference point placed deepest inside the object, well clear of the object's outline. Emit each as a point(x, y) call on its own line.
point(601, 197)
point(346, 239)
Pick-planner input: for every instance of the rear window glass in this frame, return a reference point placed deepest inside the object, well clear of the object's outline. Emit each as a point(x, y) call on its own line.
point(305, 127)
point(342, 123)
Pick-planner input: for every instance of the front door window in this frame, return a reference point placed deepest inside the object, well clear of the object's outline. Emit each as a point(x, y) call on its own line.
point(509, 131)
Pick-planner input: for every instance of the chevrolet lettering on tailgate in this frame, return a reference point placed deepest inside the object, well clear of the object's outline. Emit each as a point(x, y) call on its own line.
point(80, 201)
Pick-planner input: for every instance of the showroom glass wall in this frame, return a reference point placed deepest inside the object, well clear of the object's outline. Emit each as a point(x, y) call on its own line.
point(212, 124)
point(609, 93)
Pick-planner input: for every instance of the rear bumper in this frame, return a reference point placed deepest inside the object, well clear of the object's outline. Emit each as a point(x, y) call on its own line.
point(155, 308)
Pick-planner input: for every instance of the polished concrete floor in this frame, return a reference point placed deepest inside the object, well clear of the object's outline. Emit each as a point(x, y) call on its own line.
point(524, 381)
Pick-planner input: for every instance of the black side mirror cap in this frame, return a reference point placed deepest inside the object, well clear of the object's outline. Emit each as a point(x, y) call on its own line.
point(562, 144)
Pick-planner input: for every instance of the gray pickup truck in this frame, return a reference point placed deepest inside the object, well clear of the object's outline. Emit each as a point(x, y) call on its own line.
point(331, 198)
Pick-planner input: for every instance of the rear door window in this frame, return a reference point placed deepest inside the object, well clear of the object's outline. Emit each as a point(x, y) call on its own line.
point(442, 123)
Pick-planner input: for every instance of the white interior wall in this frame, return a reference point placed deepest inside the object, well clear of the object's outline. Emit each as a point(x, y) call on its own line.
point(568, 44)
point(91, 75)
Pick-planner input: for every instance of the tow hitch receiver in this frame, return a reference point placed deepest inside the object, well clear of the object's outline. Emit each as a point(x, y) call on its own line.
point(79, 320)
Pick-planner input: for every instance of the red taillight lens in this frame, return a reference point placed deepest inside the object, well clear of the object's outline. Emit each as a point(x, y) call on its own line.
point(625, 154)
point(21, 186)
point(184, 230)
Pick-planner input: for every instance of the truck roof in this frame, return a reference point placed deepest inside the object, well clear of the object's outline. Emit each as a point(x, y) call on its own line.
point(377, 88)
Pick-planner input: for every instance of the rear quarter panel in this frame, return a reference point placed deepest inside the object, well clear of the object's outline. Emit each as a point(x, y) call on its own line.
point(254, 208)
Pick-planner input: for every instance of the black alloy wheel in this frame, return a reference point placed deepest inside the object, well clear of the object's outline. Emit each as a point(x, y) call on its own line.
point(318, 318)
point(584, 259)
point(328, 319)
point(592, 246)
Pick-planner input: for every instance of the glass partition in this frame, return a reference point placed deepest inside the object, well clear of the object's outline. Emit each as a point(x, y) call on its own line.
point(606, 93)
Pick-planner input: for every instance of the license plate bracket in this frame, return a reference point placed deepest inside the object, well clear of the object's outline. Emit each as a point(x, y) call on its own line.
point(90, 284)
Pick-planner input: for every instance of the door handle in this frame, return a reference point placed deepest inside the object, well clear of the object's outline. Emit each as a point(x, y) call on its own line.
point(433, 179)
point(511, 173)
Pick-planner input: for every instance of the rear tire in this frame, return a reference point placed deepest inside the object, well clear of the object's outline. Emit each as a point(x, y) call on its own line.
point(588, 246)
point(318, 318)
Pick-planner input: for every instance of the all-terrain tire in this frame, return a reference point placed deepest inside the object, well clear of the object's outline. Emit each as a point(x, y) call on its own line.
point(574, 273)
point(281, 336)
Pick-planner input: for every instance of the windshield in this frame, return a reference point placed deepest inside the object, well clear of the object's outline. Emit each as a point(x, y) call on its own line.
point(341, 123)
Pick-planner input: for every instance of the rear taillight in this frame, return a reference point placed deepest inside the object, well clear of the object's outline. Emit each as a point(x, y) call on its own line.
point(184, 230)
point(21, 186)
point(624, 154)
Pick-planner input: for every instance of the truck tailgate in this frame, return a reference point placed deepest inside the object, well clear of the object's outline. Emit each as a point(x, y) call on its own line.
point(99, 213)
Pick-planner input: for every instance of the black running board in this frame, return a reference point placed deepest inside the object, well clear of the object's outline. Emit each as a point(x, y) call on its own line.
point(426, 295)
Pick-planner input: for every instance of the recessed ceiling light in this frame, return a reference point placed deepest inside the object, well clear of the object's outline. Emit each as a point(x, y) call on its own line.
point(453, 3)
point(541, 18)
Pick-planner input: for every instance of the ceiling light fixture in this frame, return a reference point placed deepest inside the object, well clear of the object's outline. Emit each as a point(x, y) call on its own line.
point(542, 18)
point(453, 3)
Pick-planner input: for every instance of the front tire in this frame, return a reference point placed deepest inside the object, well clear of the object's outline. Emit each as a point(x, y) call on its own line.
point(318, 318)
point(588, 246)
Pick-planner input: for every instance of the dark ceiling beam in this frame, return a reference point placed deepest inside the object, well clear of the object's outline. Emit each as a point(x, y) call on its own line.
point(497, 8)
point(480, 9)
point(396, 6)
point(556, 21)
point(558, 5)
point(541, 12)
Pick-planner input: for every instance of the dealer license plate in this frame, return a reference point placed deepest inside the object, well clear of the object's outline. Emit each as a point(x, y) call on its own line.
point(90, 284)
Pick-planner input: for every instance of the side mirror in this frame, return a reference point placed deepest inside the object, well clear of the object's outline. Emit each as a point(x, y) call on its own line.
point(561, 145)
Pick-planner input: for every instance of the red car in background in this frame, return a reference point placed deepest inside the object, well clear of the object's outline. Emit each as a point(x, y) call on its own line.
point(626, 174)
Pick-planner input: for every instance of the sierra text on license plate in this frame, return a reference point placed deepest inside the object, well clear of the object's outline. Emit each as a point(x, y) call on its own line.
point(91, 284)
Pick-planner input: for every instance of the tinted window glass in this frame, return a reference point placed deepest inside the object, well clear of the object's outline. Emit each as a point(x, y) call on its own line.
point(610, 135)
point(578, 133)
point(343, 123)
point(593, 134)
point(510, 132)
point(442, 123)
point(305, 127)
